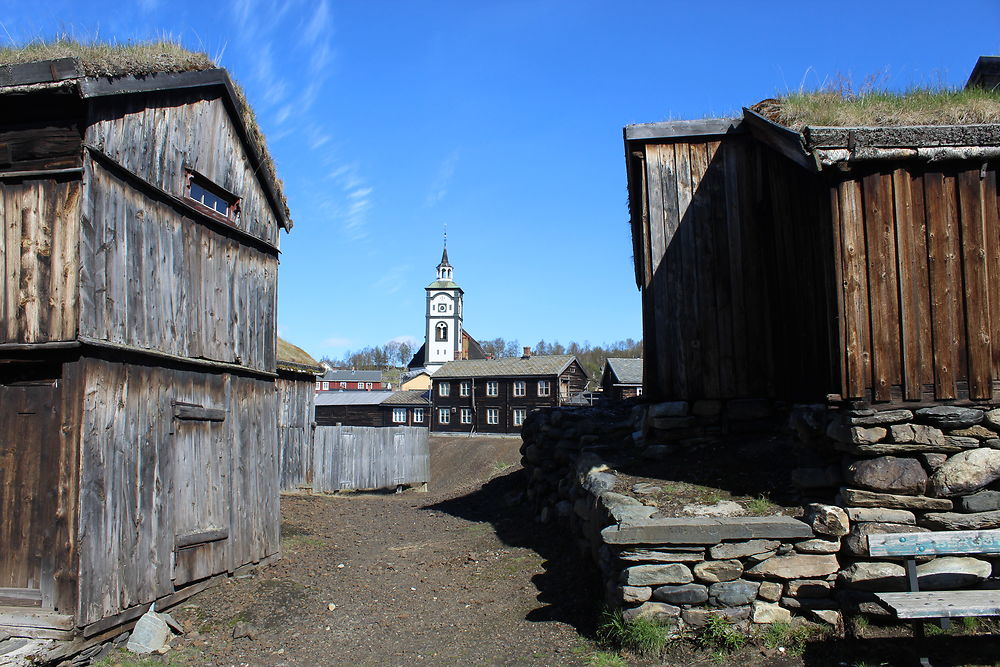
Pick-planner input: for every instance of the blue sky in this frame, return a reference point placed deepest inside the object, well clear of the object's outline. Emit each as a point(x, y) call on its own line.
point(501, 120)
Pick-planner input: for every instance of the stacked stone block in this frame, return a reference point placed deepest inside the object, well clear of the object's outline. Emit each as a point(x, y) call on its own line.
point(906, 470)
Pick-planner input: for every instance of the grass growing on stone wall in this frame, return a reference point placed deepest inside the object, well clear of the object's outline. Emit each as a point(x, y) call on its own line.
point(760, 506)
point(720, 637)
point(792, 638)
point(640, 635)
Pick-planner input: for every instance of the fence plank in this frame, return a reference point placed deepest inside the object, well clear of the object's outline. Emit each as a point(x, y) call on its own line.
point(368, 457)
point(974, 265)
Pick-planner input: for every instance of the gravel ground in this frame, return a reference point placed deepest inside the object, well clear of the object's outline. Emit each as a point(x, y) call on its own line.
point(456, 576)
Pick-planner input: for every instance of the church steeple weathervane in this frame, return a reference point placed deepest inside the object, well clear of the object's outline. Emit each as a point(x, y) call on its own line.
point(444, 269)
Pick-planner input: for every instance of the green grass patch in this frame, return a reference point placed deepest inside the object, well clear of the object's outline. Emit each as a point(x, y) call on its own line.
point(174, 658)
point(792, 638)
point(605, 659)
point(720, 637)
point(760, 506)
point(640, 635)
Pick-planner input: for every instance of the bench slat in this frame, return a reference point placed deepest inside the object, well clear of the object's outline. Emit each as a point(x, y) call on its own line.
point(943, 604)
point(938, 543)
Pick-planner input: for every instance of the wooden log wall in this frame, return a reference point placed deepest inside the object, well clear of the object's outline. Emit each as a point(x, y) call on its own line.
point(176, 467)
point(296, 409)
point(153, 278)
point(364, 457)
point(158, 135)
point(38, 256)
point(919, 251)
point(736, 272)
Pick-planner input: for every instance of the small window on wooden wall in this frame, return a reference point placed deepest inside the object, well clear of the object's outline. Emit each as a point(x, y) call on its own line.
point(210, 196)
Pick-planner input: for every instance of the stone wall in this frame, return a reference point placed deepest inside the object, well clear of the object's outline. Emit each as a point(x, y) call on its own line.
point(678, 569)
point(900, 470)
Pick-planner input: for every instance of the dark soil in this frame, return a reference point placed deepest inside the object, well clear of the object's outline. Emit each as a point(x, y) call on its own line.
point(460, 575)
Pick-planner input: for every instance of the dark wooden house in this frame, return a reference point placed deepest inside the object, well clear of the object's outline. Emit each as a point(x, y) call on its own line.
point(852, 263)
point(137, 342)
point(295, 386)
point(372, 408)
point(621, 379)
point(496, 395)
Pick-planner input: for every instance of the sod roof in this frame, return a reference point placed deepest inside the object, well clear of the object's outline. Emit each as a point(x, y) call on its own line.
point(294, 358)
point(137, 60)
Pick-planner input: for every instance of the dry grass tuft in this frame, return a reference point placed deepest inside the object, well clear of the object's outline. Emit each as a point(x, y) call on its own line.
point(294, 354)
point(841, 103)
point(99, 59)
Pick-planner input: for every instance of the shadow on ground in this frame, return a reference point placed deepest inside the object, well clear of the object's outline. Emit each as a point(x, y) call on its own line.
point(567, 589)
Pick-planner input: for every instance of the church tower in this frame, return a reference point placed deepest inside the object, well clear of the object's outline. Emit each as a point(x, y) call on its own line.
point(443, 333)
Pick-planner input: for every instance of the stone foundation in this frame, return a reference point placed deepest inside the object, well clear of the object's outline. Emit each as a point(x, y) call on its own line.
point(678, 569)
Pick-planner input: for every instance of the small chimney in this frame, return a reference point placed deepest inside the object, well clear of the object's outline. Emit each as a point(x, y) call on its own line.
point(527, 353)
point(489, 355)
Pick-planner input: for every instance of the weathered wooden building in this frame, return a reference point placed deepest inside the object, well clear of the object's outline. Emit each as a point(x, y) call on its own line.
point(295, 385)
point(496, 395)
point(858, 264)
point(348, 379)
point(137, 342)
point(621, 379)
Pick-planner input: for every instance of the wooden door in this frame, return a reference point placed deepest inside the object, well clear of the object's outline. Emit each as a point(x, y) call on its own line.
point(29, 479)
point(201, 494)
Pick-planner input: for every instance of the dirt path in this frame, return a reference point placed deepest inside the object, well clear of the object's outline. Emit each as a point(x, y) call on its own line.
point(457, 576)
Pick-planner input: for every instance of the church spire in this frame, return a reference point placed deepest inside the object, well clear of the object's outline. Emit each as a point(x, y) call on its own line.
point(444, 269)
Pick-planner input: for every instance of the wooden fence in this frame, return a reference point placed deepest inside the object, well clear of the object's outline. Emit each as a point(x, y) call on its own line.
point(365, 457)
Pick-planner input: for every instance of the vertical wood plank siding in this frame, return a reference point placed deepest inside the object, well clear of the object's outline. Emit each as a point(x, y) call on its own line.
point(154, 279)
point(159, 135)
point(296, 407)
point(742, 272)
point(131, 507)
point(38, 256)
point(368, 457)
point(921, 266)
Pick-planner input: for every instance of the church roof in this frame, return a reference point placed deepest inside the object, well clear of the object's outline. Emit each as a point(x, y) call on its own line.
point(444, 284)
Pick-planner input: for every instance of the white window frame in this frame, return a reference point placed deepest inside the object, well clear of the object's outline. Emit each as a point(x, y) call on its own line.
point(444, 415)
point(520, 387)
point(638, 391)
point(399, 415)
point(368, 385)
point(466, 416)
point(544, 388)
point(343, 385)
point(444, 389)
point(493, 416)
point(418, 415)
point(492, 388)
point(326, 386)
point(519, 416)
point(463, 388)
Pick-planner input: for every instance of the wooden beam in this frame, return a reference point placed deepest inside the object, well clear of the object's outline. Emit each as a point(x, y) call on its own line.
point(779, 138)
point(41, 173)
point(943, 604)
point(911, 136)
point(937, 543)
point(204, 363)
point(23, 616)
point(682, 128)
point(198, 413)
point(45, 71)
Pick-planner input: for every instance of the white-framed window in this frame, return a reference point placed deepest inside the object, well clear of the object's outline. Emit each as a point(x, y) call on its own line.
point(418, 415)
point(492, 415)
point(441, 331)
point(343, 385)
point(319, 386)
point(466, 416)
point(399, 415)
point(444, 389)
point(544, 388)
point(326, 386)
point(519, 387)
point(368, 385)
point(492, 388)
point(463, 388)
point(638, 391)
point(444, 416)
point(519, 414)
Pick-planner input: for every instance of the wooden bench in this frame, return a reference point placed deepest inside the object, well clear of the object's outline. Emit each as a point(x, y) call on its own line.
point(921, 605)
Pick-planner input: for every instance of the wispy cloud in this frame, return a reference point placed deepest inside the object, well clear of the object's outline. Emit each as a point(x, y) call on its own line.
point(439, 187)
point(335, 341)
point(392, 280)
point(409, 340)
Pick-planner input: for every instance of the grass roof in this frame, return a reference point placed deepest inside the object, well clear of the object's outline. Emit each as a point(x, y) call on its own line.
point(98, 59)
point(919, 106)
point(294, 354)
